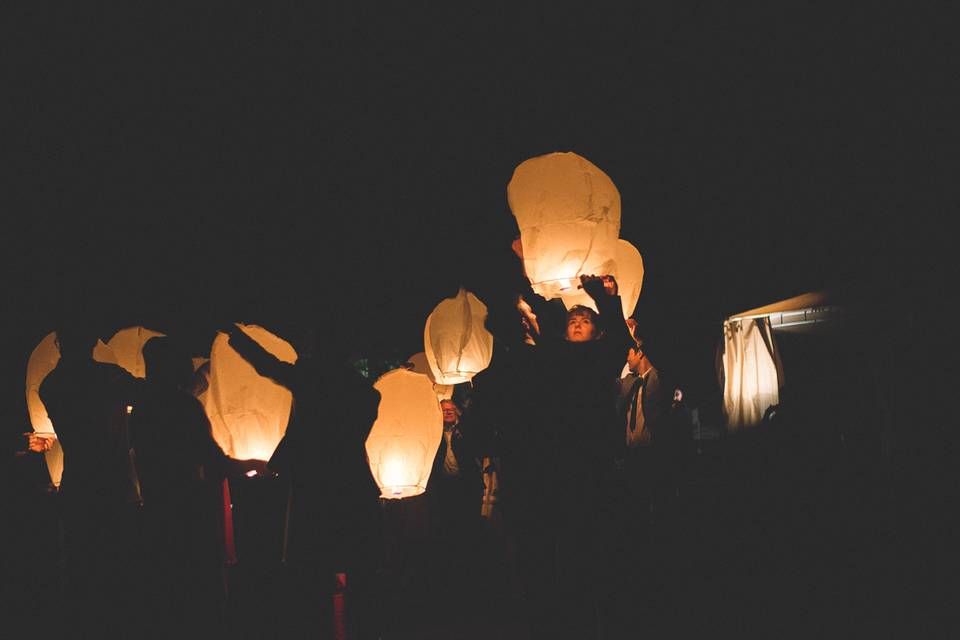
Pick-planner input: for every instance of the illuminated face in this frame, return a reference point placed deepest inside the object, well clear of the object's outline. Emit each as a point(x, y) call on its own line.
point(637, 361)
point(580, 328)
point(450, 412)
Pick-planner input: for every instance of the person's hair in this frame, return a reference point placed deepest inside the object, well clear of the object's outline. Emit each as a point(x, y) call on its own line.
point(166, 359)
point(77, 339)
point(583, 310)
point(456, 405)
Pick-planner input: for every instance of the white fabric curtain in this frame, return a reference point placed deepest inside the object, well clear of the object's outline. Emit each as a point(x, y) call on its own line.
point(751, 383)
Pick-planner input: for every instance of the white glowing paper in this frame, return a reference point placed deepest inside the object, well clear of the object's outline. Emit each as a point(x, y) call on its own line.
point(406, 434)
point(568, 213)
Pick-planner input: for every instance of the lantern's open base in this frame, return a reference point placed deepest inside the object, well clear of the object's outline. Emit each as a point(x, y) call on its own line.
point(456, 377)
point(400, 492)
point(550, 289)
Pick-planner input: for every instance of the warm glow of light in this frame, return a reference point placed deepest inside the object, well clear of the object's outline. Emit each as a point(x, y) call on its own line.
point(43, 360)
point(568, 212)
point(456, 343)
point(124, 349)
point(751, 384)
point(129, 409)
point(251, 473)
point(406, 434)
point(248, 412)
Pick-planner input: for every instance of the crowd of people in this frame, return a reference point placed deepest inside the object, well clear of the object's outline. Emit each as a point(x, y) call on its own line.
point(565, 430)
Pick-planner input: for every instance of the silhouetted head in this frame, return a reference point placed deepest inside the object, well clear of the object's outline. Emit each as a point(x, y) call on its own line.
point(583, 324)
point(76, 341)
point(167, 363)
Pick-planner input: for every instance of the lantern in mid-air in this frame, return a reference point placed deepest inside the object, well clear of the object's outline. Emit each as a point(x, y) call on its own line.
point(456, 342)
point(568, 212)
point(125, 349)
point(406, 434)
point(248, 412)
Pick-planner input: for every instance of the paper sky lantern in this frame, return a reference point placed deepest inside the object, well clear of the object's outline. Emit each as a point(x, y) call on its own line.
point(628, 270)
point(568, 212)
point(420, 365)
point(125, 349)
point(629, 276)
point(248, 412)
point(406, 434)
point(43, 360)
point(455, 340)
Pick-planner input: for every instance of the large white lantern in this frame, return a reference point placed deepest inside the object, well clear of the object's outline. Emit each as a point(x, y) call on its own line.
point(248, 412)
point(455, 339)
point(125, 348)
point(406, 434)
point(568, 212)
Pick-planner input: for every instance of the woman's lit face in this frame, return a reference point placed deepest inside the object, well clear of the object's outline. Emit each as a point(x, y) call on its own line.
point(580, 328)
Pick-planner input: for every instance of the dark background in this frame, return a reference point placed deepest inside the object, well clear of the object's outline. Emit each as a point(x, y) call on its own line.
point(182, 168)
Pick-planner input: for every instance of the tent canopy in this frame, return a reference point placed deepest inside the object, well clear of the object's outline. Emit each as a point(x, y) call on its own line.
point(802, 313)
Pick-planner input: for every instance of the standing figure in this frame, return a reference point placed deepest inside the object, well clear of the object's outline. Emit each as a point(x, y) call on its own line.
point(334, 515)
point(181, 468)
point(568, 460)
point(87, 403)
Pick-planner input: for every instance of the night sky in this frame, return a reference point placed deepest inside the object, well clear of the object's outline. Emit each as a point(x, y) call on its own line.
point(182, 167)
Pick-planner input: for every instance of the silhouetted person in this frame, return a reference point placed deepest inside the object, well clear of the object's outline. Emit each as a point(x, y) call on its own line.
point(180, 468)
point(454, 497)
point(569, 456)
point(86, 402)
point(642, 409)
point(334, 517)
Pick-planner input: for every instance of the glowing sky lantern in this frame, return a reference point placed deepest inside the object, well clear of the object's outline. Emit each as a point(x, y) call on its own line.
point(406, 434)
point(248, 412)
point(43, 360)
point(456, 342)
point(568, 212)
point(629, 276)
point(125, 349)
point(126, 346)
point(628, 270)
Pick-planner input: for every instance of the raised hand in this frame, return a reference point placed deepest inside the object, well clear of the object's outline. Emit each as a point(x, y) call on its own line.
point(597, 286)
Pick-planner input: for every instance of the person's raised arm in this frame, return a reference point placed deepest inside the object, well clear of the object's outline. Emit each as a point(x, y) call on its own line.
point(265, 363)
point(604, 291)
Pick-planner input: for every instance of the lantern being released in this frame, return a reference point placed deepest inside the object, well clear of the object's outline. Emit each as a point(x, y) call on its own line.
point(406, 434)
point(455, 340)
point(248, 412)
point(568, 212)
point(629, 276)
point(628, 270)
